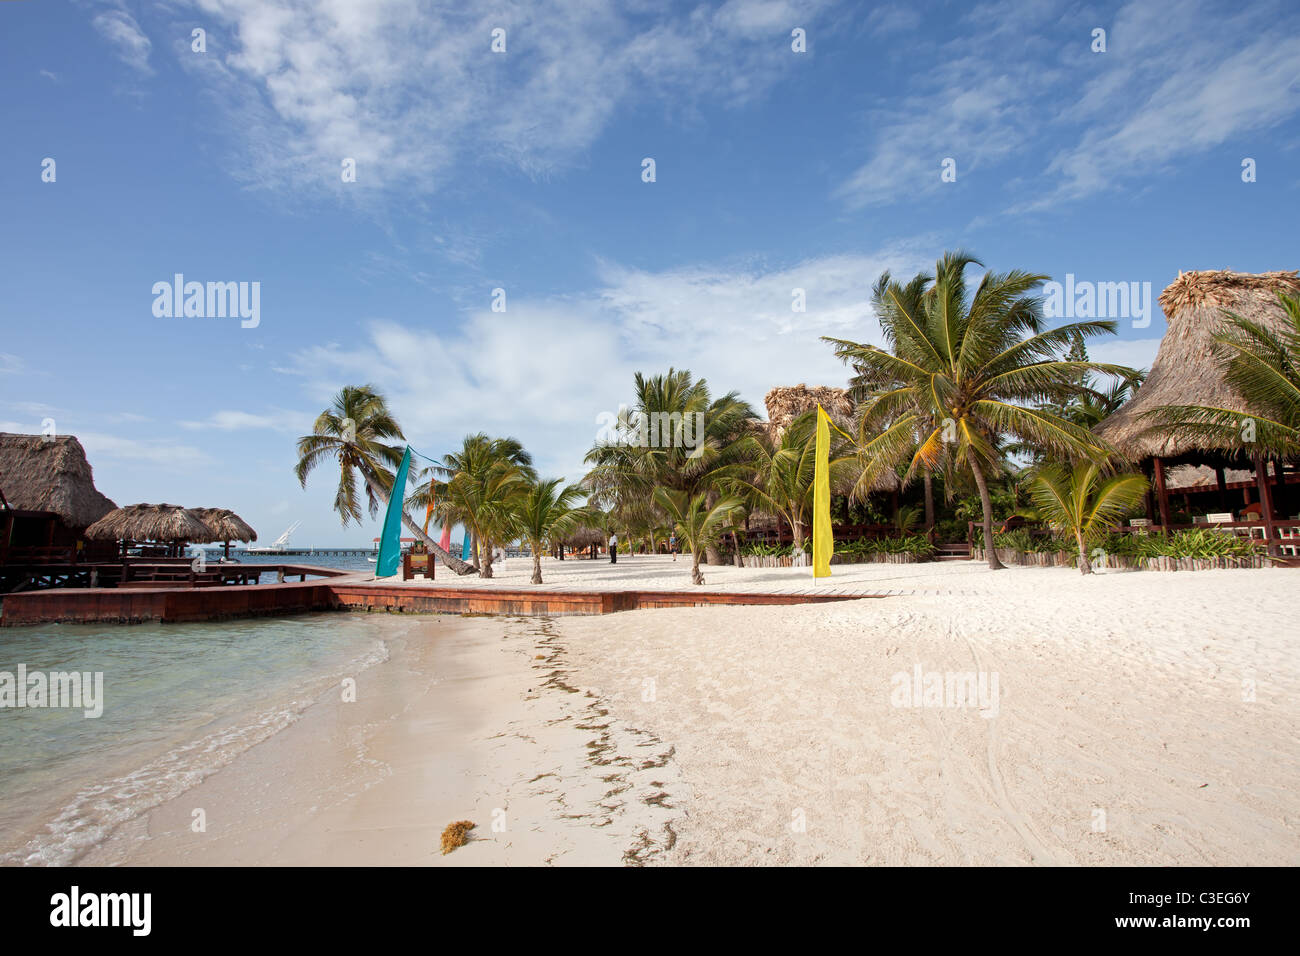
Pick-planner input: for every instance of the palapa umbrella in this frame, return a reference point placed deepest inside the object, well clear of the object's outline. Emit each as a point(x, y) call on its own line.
point(226, 525)
point(144, 522)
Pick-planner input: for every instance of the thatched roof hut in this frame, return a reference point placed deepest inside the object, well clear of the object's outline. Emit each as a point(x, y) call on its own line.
point(1186, 370)
point(50, 474)
point(785, 404)
point(225, 524)
point(151, 523)
point(584, 536)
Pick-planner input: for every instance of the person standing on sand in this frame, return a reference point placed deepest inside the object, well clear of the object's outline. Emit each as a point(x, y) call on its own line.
point(613, 549)
point(672, 545)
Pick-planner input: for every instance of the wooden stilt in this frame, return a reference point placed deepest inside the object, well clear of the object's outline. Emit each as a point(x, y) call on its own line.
point(1162, 495)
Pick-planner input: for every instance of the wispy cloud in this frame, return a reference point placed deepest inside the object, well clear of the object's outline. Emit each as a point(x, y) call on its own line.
point(1178, 78)
point(542, 371)
point(128, 41)
point(230, 420)
point(411, 89)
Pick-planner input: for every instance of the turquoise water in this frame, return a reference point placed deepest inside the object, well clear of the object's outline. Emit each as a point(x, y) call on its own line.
point(180, 701)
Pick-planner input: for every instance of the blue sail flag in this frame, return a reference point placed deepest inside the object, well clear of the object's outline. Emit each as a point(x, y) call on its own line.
point(467, 546)
point(390, 542)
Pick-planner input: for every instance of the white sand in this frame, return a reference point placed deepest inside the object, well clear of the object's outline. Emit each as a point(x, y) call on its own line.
point(704, 735)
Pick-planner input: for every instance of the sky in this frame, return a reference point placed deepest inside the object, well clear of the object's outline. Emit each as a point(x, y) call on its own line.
point(795, 146)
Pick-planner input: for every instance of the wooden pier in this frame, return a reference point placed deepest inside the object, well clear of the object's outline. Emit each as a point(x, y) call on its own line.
point(182, 605)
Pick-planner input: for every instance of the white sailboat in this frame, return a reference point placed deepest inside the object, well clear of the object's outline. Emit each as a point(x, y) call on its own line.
point(280, 544)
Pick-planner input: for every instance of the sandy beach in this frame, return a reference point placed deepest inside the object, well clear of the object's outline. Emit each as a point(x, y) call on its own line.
point(1127, 718)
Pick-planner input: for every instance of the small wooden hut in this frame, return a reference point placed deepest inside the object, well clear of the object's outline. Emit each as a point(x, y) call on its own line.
point(1187, 371)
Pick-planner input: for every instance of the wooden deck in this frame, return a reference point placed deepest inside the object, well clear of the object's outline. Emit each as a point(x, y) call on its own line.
point(181, 605)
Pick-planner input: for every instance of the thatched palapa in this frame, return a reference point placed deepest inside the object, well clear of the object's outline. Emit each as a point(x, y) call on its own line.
point(49, 473)
point(225, 524)
point(785, 404)
point(1186, 370)
point(584, 536)
point(151, 523)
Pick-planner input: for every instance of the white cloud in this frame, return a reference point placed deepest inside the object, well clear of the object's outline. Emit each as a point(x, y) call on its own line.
point(229, 420)
point(1135, 353)
point(409, 89)
point(1178, 78)
point(543, 371)
point(10, 364)
point(123, 33)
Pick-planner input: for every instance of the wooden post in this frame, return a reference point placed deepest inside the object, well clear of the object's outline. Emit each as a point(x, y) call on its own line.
point(1223, 487)
point(1162, 496)
point(1265, 502)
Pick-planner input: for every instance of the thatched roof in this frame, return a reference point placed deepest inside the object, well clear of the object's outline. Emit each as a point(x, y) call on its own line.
point(225, 524)
point(151, 523)
point(784, 405)
point(1186, 370)
point(584, 536)
point(45, 473)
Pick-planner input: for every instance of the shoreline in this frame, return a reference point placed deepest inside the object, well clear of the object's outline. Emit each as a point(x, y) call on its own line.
point(1119, 732)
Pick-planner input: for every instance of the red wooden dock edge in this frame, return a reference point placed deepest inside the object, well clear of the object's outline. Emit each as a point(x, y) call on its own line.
point(176, 605)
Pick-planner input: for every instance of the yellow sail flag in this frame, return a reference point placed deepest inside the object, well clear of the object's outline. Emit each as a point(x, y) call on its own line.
point(823, 540)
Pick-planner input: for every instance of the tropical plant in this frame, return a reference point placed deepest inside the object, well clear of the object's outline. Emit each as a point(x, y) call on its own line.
point(356, 431)
point(547, 513)
point(481, 487)
point(965, 370)
point(1083, 501)
point(675, 435)
point(778, 477)
point(1263, 366)
point(699, 524)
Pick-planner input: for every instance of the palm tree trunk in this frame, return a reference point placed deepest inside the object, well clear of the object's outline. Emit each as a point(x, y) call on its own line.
point(453, 563)
point(986, 503)
point(485, 560)
point(537, 562)
point(711, 552)
point(796, 529)
point(1084, 566)
point(696, 576)
point(929, 501)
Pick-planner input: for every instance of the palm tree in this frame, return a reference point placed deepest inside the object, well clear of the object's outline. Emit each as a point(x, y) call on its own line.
point(698, 522)
point(964, 371)
point(481, 488)
point(780, 475)
point(1083, 501)
point(676, 435)
point(355, 431)
point(1263, 367)
point(546, 514)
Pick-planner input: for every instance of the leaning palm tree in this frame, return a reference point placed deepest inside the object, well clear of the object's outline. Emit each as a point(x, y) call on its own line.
point(964, 371)
point(1084, 501)
point(1263, 366)
point(698, 522)
point(547, 513)
point(355, 431)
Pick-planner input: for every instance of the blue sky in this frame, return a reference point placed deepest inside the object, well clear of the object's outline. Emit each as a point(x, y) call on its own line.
point(522, 170)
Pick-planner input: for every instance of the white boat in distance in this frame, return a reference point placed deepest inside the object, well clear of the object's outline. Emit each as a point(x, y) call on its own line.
point(279, 544)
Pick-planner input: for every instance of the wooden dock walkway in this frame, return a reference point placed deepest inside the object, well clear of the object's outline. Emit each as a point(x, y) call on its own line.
point(180, 605)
